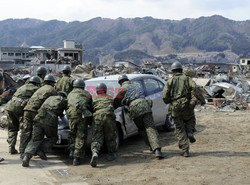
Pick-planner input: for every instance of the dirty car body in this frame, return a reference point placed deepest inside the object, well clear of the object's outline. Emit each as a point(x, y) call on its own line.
point(152, 87)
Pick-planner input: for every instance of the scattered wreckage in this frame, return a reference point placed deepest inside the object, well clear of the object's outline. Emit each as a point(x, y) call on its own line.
point(228, 94)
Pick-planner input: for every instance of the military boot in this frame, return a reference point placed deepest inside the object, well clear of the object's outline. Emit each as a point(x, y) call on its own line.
point(150, 149)
point(42, 155)
point(26, 160)
point(191, 137)
point(186, 153)
point(77, 161)
point(94, 159)
point(71, 154)
point(21, 155)
point(1, 159)
point(158, 154)
point(111, 156)
point(12, 150)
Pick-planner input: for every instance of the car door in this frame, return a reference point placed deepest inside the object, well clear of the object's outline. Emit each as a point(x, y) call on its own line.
point(154, 91)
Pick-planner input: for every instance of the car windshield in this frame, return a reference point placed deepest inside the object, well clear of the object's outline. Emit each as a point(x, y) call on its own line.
point(112, 87)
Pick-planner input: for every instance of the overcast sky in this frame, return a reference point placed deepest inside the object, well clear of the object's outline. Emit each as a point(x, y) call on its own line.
point(82, 10)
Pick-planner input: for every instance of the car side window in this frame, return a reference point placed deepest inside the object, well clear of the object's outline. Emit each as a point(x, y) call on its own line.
point(139, 83)
point(152, 86)
point(161, 85)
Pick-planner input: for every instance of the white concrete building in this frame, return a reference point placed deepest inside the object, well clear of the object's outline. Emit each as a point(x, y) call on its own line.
point(15, 56)
point(69, 44)
point(71, 53)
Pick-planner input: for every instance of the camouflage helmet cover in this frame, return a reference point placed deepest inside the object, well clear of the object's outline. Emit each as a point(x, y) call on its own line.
point(79, 83)
point(176, 65)
point(41, 70)
point(49, 78)
point(35, 79)
point(101, 88)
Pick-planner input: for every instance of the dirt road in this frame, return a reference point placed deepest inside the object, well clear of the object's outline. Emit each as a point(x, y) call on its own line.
point(221, 155)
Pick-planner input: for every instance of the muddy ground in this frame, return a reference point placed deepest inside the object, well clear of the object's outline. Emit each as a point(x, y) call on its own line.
point(221, 155)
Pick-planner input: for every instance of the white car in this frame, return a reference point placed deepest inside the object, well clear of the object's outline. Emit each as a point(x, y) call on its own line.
point(152, 87)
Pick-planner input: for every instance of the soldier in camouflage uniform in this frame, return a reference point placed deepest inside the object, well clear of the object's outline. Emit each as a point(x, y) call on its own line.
point(78, 113)
point(104, 125)
point(182, 94)
point(140, 112)
point(14, 109)
point(45, 124)
point(41, 73)
point(66, 82)
point(4, 94)
point(30, 110)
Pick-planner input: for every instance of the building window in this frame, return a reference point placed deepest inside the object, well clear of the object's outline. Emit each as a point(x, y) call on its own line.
point(248, 62)
point(17, 54)
point(10, 54)
point(242, 61)
point(5, 54)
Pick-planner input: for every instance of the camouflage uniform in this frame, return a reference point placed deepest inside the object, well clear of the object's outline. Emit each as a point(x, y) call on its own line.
point(15, 108)
point(104, 125)
point(65, 84)
point(140, 112)
point(78, 113)
point(182, 94)
point(45, 124)
point(30, 111)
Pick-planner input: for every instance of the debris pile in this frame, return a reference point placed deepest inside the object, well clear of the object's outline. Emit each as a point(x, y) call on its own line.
point(228, 94)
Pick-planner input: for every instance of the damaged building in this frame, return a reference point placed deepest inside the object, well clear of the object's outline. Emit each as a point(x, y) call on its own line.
point(71, 53)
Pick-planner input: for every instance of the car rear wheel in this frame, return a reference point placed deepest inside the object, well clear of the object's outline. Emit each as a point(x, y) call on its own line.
point(169, 124)
point(118, 138)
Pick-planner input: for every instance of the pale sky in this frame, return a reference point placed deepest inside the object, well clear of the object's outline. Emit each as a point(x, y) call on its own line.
point(82, 10)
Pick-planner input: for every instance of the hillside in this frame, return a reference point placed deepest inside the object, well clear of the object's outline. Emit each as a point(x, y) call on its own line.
point(138, 38)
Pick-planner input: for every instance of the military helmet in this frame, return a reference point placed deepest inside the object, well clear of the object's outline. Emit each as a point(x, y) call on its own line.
point(62, 93)
point(49, 78)
point(79, 83)
point(41, 70)
point(122, 78)
point(176, 65)
point(66, 69)
point(101, 88)
point(35, 79)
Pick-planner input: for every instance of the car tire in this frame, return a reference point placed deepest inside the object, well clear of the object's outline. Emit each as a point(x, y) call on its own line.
point(118, 138)
point(169, 124)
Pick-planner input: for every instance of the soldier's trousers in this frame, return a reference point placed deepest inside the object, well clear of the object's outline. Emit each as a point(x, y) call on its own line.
point(147, 130)
point(104, 128)
point(191, 120)
point(26, 129)
point(13, 128)
point(78, 136)
point(39, 142)
point(182, 127)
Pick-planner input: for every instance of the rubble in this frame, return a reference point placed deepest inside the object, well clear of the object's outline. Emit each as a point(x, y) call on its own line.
point(229, 94)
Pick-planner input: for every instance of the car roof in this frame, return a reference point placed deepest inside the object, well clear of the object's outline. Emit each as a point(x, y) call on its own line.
point(115, 77)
